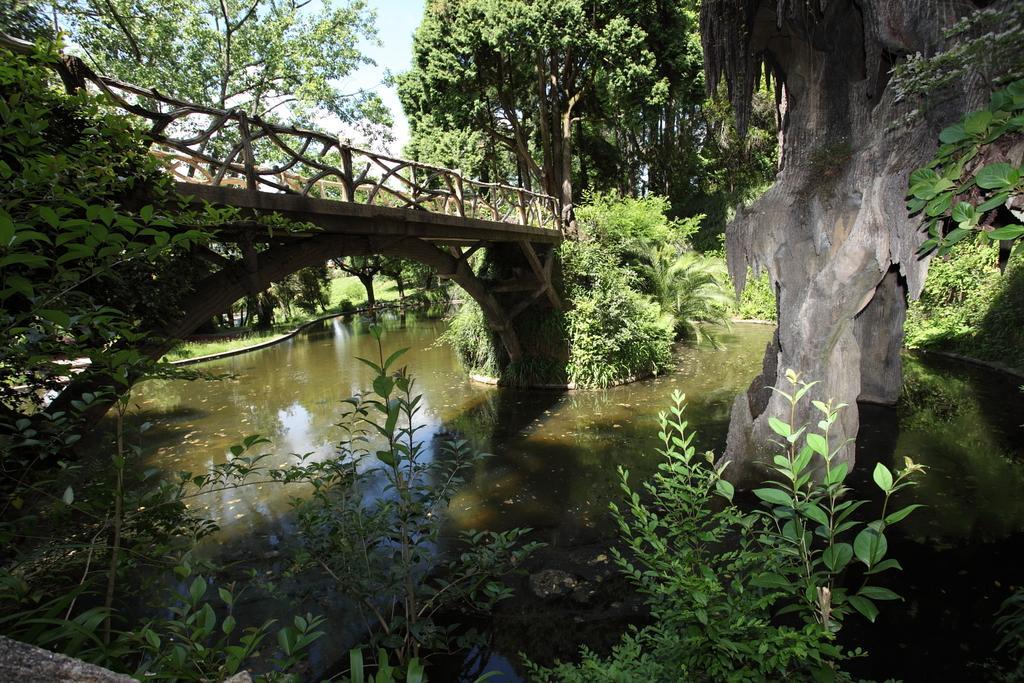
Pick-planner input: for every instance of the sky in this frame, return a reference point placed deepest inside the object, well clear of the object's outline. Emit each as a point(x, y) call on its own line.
point(396, 22)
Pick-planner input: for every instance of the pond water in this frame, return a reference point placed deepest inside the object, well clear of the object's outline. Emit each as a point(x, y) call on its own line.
point(555, 460)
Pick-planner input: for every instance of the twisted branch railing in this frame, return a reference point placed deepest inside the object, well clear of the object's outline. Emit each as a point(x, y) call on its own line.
point(200, 144)
point(205, 145)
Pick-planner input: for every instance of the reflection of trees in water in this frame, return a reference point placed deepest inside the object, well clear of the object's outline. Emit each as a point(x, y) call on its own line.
point(931, 398)
point(962, 424)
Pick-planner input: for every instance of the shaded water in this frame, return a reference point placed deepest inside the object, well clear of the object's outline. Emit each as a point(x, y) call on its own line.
point(556, 454)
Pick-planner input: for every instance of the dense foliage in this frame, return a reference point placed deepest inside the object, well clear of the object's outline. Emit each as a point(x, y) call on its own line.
point(969, 306)
point(718, 579)
point(974, 182)
point(275, 59)
point(615, 333)
point(569, 97)
point(86, 269)
point(632, 286)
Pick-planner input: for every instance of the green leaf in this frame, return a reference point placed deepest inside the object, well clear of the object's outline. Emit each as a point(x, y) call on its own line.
point(814, 512)
point(48, 215)
point(977, 122)
point(915, 205)
point(778, 426)
point(774, 496)
point(885, 565)
point(964, 212)
point(862, 545)
point(769, 580)
point(415, 673)
point(6, 229)
point(152, 638)
point(940, 204)
point(878, 593)
point(53, 315)
point(901, 514)
point(30, 260)
point(392, 419)
point(882, 477)
point(837, 556)
point(355, 663)
point(954, 236)
point(377, 370)
point(1009, 232)
point(387, 457)
point(393, 357)
point(802, 459)
point(724, 489)
point(836, 474)
point(996, 201)
point(864, 606)
point(198, 589)
point(998, 176)
point(818, 444)
point(382, 385)
point(228, 625)
point(69, 496)
point(955, 133)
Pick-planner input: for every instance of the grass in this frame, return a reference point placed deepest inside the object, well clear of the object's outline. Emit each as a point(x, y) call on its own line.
point(343, 289)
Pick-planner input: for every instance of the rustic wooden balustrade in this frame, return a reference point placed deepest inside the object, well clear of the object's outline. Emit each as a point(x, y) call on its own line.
point(210, 146)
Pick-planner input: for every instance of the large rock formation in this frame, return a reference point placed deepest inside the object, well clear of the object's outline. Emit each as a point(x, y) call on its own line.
point(833, 231)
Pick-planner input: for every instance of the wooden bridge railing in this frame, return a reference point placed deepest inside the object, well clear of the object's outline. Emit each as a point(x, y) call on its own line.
point(211, 146)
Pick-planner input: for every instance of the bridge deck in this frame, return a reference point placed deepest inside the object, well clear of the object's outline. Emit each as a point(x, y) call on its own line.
point(341, 217)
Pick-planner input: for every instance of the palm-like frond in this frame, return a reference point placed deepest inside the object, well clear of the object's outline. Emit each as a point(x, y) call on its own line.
point(690, 287)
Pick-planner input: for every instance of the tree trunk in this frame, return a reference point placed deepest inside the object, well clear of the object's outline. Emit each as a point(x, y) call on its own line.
point(400, 284)
point(367, 280)
point(833, 231)
point(565, 184)
point(265, 311)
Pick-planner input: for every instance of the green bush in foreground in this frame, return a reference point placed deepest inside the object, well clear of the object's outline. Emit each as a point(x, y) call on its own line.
point(717, 578)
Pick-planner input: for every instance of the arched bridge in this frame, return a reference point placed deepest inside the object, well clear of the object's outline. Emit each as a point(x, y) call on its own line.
point(349, 201)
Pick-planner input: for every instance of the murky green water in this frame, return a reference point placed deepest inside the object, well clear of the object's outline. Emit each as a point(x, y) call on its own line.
point(556, 454)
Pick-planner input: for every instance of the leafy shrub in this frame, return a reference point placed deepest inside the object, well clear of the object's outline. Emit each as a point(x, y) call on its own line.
point(757, 300)
point(473, 341)
point(383, 553)
point(615, 332)
point(194, 644)
point(77, 253)
point(626, 223)
point(717, 579)
point(691, 287)
point(969, 180)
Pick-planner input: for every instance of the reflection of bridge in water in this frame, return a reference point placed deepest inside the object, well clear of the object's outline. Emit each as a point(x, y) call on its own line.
point(348, 201)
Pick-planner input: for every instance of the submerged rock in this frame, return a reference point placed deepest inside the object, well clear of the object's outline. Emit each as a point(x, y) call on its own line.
point(552, 583)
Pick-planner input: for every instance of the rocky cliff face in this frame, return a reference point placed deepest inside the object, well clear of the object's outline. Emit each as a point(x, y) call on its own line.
point(833, 231)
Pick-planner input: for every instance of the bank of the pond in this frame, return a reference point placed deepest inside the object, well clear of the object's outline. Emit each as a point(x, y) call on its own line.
point(284, 336)
point(991, 365)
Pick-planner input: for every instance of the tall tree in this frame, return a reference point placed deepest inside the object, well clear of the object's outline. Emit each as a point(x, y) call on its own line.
point(480, 98)
point(365, 268)
point(518, 72)
point(276, 58)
